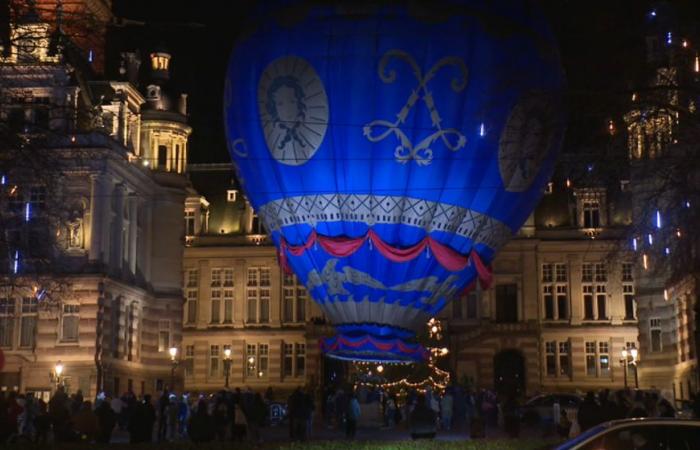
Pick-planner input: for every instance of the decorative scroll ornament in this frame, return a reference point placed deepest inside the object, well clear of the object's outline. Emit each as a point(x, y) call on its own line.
point(378, 130)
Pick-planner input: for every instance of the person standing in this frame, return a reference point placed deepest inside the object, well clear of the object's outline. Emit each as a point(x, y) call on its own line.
point(446, 410)
point(107, 419)
point(352, 416)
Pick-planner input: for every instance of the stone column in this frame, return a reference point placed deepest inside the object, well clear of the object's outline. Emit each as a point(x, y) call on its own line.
point(274, 362)
point(576, 294)
point(95, 225)
point(117, 228)
point(133, 231)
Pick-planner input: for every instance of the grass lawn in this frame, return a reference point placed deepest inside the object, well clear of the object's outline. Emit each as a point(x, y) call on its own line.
point(488, 444)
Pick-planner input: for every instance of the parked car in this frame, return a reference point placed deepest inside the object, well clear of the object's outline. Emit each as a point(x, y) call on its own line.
point(539, 408)
point(638, 434)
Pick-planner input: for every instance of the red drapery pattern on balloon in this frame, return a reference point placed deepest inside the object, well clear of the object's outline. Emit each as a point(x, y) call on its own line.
point(341, 342)
point(341, 247)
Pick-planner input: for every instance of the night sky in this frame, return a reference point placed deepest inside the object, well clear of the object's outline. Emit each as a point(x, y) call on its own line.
point(602, 47)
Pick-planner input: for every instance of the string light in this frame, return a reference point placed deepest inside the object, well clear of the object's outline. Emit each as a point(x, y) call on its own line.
point(3, 180)
point(650, 238)
point(15, 265)
point(634, 96)
point(482, 130)
point(634, 244)
point(667, 251)
point(697, 64)
point(685, 43)
point(669, 38)
point(568, 183)
point(666, 294)
point(658, 219)
point(678, 232)
point(645, 261)
point(27, 211)
point(611, 127)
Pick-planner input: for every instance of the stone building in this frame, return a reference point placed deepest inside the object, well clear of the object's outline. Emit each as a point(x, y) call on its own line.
point(662, 142)
point(557, 318)
point(92, 234)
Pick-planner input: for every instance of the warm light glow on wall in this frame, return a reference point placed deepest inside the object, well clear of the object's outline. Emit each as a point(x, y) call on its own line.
point(160, 61)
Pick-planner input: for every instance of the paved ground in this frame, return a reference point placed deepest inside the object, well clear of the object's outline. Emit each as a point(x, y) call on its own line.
point(399, 433)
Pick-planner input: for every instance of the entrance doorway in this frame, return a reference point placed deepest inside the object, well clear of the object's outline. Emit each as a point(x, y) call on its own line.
point(509, 373)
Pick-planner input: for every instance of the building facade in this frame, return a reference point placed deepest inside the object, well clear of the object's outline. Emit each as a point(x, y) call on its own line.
point(560, 312)
point(92, 229)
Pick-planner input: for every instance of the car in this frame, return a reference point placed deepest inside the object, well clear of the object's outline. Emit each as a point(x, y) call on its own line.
point(539, 408)
point(638, 434)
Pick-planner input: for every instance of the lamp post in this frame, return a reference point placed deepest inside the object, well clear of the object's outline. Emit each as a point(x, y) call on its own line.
point(174, 363)
point(631, 357)
point(57, 372)
point(227, 364)
point(635, 353)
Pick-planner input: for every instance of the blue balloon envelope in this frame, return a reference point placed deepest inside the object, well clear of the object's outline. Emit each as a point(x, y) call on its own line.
point(392, 150)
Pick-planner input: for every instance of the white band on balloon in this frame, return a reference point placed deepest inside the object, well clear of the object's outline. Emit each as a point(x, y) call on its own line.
point(385, 209)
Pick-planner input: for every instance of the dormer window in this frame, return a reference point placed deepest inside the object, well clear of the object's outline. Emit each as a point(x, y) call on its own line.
point(153, 92)
point(590, 204)
point(160, 61)
point(231, 195)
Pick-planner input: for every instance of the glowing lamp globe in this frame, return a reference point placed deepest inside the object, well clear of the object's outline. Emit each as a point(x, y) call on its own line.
point(391, 149)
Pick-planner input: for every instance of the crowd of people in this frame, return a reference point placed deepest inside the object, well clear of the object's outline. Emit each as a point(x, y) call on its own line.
point(227, 415)
point(240, 414)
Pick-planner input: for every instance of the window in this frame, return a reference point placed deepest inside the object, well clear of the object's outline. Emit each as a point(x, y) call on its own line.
point(215, 305)
point(301, 359)
point(595, 297)
point(587, 273)
point(215, 277)
point(628, 295)
point(604, 358)
point(591, 214)
point(228, 305)
point(189, 360)
point(228, 277)
point(555, 291)
point(601, 302)
point(551, 358)
point(627, 272)
point(547, 273)
point(457, 305)
point(191, 306)
point(214, 361)
point(231, 195)
point(549, 188)
point(192, 278)
point(548, 302)
point(591, 367)
point(288, 360)
point(70, 322)
point(601, 272)
point(163, 335)
point(263, 352)
point(189, 223)
point(28, 322)
point(294, 300)
point(558, 358)
point(655, 334)
point(564, 358)
point(258, 295)
point(507, 303)
point(37, 196)
point(251, 359)
point(7, 321)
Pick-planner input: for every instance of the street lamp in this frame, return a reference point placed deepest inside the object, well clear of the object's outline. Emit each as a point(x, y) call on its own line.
point(227, 364)
point(630, 357)
point(57, 372)
point(174, 363)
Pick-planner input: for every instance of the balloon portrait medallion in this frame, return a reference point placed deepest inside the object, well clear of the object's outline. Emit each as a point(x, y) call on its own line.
point(293, 110)
point(526, 140)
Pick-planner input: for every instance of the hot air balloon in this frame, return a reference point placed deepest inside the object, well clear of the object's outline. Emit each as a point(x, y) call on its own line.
point(390, 149)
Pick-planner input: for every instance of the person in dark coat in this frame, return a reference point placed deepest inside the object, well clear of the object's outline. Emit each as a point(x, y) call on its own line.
point(200, 427)
point(588, 412)
point(107, 419)
point(297, 416)
point(141, 421)
point(60, 415)
point(422, 420)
